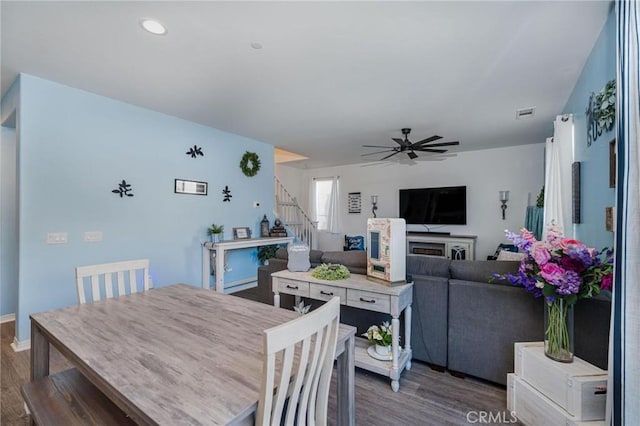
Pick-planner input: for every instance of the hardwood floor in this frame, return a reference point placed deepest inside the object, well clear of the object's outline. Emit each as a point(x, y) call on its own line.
point(426, 397)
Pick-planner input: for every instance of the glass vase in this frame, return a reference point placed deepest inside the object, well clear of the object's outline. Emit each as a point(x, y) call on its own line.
point(558, 330)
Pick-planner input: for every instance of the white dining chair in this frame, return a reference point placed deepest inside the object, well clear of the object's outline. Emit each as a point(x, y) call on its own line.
point(302, 352)
point(102, 275)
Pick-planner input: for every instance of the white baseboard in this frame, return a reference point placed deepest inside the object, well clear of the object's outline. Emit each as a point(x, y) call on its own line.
point(19, 346)
point(7, 318)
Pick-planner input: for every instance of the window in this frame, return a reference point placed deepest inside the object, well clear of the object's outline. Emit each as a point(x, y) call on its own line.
point(325, 200)
point(322, 191)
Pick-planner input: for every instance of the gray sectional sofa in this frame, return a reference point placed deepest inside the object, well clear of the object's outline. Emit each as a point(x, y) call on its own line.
point(462, 319)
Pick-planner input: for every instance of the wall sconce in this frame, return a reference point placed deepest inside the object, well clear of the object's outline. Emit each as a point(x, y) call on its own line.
point(504, 197)
point(374, 204)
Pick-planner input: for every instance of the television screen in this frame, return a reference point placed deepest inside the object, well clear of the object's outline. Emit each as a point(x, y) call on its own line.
point(434, 206)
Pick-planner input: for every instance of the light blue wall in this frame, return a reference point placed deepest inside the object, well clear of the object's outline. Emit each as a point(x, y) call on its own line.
point(595, 192)
point(76, 146)
point(8, 201)
point(8, 223)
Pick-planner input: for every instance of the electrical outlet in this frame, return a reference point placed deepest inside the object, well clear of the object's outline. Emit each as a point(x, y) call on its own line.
point(56, 238)
point(92, 236)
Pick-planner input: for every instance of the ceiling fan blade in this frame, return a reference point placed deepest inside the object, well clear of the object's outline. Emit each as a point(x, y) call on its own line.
point(400, 141)
point(412, 155)
point(440, 144)
point(440, 151)
point(427, 140)
point(378, 146)
point(377, 152)
point(390, 155)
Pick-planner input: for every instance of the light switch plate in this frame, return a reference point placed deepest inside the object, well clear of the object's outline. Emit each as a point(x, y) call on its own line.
point(56, 238)
point(92, 236)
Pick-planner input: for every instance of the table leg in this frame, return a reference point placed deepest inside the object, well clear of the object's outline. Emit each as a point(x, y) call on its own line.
point(346, 384)
point(407, 334)
point(219, 270)
point(395, 350)
point(39, 353)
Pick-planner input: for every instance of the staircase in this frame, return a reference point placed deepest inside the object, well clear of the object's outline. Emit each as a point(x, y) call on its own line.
point(293, 217)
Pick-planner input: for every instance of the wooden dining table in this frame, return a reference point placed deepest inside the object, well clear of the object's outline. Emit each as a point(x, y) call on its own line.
point(177, 355)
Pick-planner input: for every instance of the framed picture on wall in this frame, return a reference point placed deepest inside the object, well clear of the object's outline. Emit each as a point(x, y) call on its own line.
point(612, 164)
point(575, 190)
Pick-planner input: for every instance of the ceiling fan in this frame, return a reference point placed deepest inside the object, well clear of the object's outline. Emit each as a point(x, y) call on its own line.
point(405, 145)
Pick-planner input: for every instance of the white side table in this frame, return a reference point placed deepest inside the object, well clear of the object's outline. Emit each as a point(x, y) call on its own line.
point(359, 292)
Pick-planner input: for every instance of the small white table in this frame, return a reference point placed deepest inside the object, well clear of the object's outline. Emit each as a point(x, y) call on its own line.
point(359, 292)
point(218, 250)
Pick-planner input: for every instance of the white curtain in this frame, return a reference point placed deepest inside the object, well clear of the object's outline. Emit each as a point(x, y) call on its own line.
point(557, 181)
point(624, 365)
point(333, 219)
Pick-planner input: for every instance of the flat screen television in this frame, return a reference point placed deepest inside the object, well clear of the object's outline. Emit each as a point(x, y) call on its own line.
point(434, 206)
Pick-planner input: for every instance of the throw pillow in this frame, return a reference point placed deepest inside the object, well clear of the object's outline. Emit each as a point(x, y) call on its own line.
point(509, 255)
point(298, 258)
point(353, 243)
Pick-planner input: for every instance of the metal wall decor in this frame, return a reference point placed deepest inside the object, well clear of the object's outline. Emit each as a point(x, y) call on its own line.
point(227, 194)
point(124, 189)
point(601, 112)
point(195, 151)
point(355, 202)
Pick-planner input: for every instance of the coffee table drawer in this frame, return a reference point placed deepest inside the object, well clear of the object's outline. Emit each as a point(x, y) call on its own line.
point(368, 300)
point(326, 292)
point(298, 288)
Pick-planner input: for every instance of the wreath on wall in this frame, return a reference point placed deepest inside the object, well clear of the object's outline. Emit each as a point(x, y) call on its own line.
point(250, 164)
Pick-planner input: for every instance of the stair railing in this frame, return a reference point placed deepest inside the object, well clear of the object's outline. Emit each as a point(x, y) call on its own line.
point(293, 216)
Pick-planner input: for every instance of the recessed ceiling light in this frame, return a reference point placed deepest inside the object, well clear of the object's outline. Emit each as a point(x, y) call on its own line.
point(256, 46)
point(153, 26)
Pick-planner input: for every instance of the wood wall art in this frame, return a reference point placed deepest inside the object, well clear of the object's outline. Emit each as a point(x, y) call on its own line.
point(355, 202)
point(124, 189)
point(195, 151)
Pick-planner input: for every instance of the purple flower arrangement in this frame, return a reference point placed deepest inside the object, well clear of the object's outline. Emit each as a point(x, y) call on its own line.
point(560, 267)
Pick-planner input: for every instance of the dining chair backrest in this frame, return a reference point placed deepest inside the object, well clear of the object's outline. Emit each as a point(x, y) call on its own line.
point(103, 274)
point(302, 352)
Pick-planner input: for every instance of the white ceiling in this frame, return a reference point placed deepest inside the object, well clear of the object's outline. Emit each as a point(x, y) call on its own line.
point(330, 77)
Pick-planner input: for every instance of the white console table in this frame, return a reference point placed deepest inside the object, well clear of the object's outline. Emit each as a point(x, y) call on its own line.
point(454, 247)
point(359, 292)
point(217, 252)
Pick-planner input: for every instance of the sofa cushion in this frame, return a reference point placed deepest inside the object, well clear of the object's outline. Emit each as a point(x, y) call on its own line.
point(481, 270)
point(425, 265)
point(355, 261)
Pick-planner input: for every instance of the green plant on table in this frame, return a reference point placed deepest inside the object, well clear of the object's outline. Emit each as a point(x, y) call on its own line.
point(215, 229)
point(330, 272)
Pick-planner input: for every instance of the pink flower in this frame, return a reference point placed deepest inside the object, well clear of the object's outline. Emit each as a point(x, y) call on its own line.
point(528, 235)
point(540, 253)
point(607, 282)
point(552, 273)
point(568, 241)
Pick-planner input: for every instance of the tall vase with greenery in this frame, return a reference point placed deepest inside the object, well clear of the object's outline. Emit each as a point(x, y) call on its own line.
point(562, 270)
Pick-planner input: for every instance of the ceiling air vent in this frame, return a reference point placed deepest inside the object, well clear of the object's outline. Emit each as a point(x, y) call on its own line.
point(525, 113)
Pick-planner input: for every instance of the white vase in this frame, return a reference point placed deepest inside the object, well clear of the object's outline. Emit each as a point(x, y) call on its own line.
point(383, 350)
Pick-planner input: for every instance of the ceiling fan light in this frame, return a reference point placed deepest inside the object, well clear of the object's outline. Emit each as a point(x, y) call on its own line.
point(412, 155)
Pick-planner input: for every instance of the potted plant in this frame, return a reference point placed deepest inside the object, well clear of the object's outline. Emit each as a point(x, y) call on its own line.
point(214, 232)
point(381, 336)
point(266, 252)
